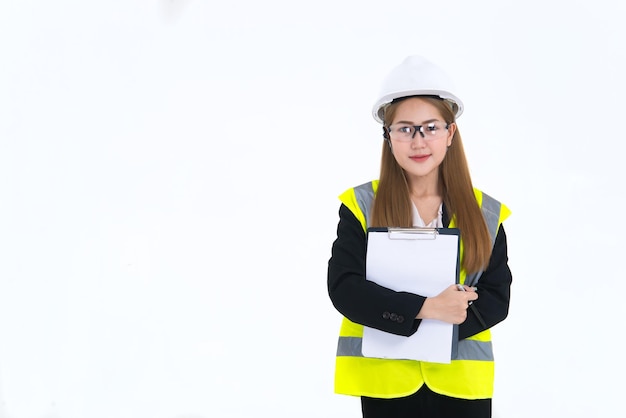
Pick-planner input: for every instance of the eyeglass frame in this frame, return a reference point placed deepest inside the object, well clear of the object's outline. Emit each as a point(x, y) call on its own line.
point(417, 128)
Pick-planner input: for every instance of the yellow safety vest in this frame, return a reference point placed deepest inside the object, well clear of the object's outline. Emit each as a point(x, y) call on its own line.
point(469, 376)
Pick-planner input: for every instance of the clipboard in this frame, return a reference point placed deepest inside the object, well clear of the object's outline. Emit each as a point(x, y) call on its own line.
point(423, 261)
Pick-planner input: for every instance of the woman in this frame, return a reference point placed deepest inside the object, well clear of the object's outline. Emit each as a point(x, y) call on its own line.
point(424, 182)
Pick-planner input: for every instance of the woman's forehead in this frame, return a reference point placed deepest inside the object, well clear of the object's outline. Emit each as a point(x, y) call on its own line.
point(417, 107)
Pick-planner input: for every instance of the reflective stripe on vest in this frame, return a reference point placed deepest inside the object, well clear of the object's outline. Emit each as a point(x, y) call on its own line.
point(491, 212)
point(467, 349)
point(365, 196)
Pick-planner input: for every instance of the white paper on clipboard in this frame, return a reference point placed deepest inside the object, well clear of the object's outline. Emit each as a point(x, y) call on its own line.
point(423, 261)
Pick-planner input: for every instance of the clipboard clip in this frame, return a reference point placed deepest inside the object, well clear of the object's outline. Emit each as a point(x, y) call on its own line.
point(412, 233)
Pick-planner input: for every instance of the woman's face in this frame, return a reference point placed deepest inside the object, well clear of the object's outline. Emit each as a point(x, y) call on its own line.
point(420, 156)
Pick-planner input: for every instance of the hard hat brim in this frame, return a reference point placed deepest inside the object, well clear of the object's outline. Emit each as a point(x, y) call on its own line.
point(379, 107)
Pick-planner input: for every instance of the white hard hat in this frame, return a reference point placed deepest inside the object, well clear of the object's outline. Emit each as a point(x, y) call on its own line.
point(416, 76)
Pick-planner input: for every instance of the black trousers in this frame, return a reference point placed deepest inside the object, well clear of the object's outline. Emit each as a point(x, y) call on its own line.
point(425, 403)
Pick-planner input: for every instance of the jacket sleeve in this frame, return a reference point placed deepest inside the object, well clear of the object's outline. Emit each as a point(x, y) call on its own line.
point(362, 301)
point(494, 291)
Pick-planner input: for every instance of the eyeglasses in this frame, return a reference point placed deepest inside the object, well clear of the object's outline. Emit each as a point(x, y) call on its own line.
point(405, 133)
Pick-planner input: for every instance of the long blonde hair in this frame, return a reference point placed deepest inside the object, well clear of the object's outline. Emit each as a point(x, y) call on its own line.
point(392, 205)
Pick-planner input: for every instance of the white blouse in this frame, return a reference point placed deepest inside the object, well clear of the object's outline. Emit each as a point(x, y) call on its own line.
point(419, 222)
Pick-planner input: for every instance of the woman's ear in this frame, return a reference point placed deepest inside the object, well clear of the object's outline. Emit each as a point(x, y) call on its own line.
point(451, 132)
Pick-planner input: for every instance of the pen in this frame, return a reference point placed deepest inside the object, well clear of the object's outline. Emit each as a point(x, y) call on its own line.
point(472, 307)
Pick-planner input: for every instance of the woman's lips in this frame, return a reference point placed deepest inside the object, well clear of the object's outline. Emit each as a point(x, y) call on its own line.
point(419, 158)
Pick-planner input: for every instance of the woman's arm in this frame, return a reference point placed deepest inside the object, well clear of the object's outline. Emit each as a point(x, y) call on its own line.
point(493, 291)
point(358, 299)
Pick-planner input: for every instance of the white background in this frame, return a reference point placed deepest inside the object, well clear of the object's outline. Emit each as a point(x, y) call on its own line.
point(169, 173)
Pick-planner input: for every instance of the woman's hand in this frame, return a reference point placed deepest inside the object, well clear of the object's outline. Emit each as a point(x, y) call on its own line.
point(448, 306)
